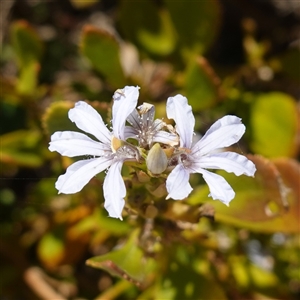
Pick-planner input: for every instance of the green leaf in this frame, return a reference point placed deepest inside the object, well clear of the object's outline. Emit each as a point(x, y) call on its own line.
point(128, 262)
point(274, 123)
point(56, 117)
point(251, 277)
point(196, 22)
point(269, 202)
point(51, 248)
point(20, 148)
point(26, 43)
point(99, 220)
point(148, 26)
point(28, 49)
point(183, 280)
point(202, 86)
point(102, 50)
point(28, 78)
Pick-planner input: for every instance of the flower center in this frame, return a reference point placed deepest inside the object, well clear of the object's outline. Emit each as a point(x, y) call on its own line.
point(181, 157)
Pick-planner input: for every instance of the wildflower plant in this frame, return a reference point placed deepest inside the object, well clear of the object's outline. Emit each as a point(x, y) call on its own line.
point(172, 152)
point(148, 184)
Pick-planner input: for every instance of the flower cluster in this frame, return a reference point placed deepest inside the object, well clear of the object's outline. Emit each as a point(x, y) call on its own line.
point(110, 149)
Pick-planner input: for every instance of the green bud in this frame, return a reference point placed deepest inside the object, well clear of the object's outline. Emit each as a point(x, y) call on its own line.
point(157, 160)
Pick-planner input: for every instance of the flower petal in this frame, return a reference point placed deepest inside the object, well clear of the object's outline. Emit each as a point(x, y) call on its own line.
point(179, 110)
point(229, 161)
point(130, 132)
point(114, 190)
point(87, 119)
point(125, 101)
point(165, 138)
point(157, 125)
point(80, 173)
point(69, 143)
point(134, 119)
point(223, 133)
point(177, 183)
point(218, 186)
point(147, 112)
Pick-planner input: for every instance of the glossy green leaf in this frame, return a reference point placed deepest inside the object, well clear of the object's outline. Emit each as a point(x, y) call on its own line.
point(196, 22)
point(128, 262)
point(274, 125)
point(102, 50)
point(269, 202)
point(26, 43)
point(147, 25)
point(20, 148)
point(202, 86)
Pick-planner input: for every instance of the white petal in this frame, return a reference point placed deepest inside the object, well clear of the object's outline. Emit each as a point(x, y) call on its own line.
point(147, 112)
point(177, 183)
point(157, 125)
point(125, 101)
point(69, 143)
point(130, 132)
point(179, 110)
point(218, 186)
point(229, 161)
point(87, 119)
point(134, 119)
point(223, 133)
point(165, 138)
point(80, 173)
point(114, 190)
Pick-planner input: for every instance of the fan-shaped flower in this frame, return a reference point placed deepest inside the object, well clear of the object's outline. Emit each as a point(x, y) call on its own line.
point(110, 151)
point(205, 154)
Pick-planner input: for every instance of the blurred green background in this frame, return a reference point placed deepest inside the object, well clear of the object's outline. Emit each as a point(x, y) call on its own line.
point(227, 57)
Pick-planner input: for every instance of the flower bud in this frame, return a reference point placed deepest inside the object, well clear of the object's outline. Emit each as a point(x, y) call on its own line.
point(157, 160)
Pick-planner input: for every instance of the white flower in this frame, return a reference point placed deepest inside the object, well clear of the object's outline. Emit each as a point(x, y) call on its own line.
point(147, 130)
point(108, 152)
point(204, 154)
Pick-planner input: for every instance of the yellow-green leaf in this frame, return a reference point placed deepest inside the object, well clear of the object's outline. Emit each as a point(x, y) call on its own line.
point(26, 43)
point(274, 125)
point(196, 22)
point(128, 262)
point(51, 248)
point(269, 202)
point(148, 26)
point(202, 86)
point(20, 148)
point(27, 82)
point(56, 117)
point(102, 50)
